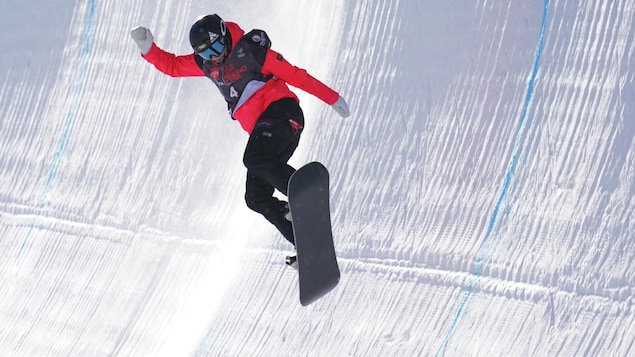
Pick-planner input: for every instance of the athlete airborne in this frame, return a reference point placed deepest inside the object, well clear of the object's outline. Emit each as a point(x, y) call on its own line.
point(253, 81)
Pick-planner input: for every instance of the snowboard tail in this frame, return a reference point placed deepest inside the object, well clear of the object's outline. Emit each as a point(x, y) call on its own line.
point(308, 194)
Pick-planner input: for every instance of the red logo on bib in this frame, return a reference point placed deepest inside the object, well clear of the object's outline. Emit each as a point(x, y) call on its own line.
point(215, 74)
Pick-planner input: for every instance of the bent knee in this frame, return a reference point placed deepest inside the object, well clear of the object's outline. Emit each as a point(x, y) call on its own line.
point(253, 203)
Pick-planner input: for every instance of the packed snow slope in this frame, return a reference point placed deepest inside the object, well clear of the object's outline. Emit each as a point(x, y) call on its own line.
point(483, 190)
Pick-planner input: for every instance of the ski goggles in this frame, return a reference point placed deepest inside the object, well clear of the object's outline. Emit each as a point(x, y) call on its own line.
point(214, 50)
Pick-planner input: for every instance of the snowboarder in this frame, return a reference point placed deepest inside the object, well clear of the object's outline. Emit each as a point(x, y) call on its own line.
point(253, 81)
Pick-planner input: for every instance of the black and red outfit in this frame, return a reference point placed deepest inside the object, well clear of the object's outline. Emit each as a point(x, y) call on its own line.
point(253, 80)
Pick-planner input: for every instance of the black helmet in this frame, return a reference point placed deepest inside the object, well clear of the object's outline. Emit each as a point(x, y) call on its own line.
point(209, 38)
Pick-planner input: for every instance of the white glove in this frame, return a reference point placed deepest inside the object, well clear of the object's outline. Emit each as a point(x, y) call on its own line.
point(341, 107)
point(143, 37)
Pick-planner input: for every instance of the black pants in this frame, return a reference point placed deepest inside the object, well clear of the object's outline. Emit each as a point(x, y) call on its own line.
point(271, 144)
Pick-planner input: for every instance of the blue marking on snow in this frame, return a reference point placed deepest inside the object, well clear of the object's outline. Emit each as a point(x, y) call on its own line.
point(68, 123)
point(508, 176)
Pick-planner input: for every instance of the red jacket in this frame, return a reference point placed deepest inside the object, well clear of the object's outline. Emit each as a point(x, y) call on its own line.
point(275, 68)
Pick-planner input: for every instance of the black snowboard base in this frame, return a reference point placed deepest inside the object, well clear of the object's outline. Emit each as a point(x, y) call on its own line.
point(308, 195)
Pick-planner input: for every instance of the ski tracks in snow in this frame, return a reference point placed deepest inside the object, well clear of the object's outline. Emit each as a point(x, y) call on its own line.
point(419, 190)
point(520, 137)
point(407, 216)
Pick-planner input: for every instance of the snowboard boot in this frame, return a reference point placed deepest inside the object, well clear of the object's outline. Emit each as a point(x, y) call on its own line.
point(292, 261)
point(287, 213)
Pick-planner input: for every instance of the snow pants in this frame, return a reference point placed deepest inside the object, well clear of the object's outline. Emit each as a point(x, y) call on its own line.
point(271, 144)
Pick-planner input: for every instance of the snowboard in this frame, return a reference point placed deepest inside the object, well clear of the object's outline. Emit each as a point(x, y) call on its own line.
point(308, 195)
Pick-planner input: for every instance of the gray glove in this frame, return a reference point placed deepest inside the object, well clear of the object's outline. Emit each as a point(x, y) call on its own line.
point(143, 37)
point(341, 107)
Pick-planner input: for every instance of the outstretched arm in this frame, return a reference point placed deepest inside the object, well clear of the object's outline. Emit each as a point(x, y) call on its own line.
point(276, 65)
point(166, 62)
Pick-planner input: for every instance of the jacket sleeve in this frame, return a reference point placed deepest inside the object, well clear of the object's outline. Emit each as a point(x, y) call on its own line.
point(173, 65)
point(277, 66)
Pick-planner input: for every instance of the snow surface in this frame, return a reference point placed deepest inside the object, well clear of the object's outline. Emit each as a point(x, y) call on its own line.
point(483, 190)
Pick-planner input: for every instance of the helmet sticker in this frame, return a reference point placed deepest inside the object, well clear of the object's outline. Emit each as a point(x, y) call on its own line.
point(212, 37)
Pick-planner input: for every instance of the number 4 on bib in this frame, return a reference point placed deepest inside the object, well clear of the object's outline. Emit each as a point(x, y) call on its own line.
point(308, 194)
